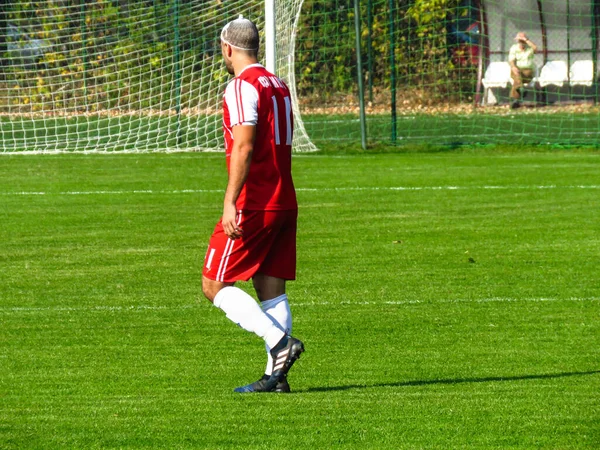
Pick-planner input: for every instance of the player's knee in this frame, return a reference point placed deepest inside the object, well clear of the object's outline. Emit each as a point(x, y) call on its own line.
point(209, 289)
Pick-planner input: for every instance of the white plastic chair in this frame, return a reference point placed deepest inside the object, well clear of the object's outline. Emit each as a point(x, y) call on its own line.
point(497, 75)
point(555, 73)
point(582, 73)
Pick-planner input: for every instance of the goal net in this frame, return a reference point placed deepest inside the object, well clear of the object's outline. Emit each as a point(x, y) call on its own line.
point(124, 76)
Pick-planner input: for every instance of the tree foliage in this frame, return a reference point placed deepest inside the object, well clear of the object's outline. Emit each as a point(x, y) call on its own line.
point(425, 62)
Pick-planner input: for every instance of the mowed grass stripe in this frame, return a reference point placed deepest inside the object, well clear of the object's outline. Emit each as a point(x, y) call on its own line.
point(326, 304)
point(384, 188)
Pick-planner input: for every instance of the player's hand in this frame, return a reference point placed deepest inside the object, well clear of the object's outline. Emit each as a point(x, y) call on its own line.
point(229, 222)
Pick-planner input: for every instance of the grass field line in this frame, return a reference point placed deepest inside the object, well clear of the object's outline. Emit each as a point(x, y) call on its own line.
point(336, 189)
point(141, 308)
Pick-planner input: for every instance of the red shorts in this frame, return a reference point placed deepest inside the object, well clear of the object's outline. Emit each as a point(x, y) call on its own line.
point(268, 246)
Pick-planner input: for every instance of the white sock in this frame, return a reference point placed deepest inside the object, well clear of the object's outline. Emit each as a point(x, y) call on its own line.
point(278, 310)
point(242, 309)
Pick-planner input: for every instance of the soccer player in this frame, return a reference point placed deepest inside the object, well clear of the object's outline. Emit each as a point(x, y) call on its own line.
point(256, 237)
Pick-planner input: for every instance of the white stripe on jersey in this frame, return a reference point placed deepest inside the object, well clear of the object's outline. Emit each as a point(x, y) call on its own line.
point(238, 100)
point(242, 102)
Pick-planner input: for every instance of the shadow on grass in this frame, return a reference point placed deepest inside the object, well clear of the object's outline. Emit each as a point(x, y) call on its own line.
point(452, 381)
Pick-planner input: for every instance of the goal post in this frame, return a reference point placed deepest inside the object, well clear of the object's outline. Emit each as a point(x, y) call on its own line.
point(134, 76)
point(270, 36)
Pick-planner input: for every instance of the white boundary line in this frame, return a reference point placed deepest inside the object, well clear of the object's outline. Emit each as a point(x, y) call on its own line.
point(457, 301)
point(339, 189)
point(141, 308)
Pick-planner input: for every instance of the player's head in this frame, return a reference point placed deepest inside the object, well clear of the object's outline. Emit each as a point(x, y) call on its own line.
point(242, 36)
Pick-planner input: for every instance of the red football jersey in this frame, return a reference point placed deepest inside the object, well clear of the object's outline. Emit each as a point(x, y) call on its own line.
point(257, 97)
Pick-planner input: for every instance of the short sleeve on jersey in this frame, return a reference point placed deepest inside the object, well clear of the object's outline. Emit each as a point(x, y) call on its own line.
point(242, 102)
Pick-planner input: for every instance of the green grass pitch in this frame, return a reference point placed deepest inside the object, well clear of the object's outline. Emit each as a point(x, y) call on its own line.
point(530, 126)
point(446, 300)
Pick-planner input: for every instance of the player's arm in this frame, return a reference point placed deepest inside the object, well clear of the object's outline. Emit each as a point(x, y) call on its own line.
point(239, 166)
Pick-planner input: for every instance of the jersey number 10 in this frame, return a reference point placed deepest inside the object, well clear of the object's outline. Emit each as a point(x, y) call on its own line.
point(288, 121)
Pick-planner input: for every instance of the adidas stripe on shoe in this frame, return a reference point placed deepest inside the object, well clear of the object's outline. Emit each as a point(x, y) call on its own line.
point(284, 355)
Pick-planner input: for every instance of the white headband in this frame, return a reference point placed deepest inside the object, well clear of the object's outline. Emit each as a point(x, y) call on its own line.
point(226, 27)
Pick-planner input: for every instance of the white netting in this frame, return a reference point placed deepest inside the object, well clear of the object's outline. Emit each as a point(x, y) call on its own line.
point(107, 76)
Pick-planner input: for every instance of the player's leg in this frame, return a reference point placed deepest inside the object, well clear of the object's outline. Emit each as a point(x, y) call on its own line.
point(225, 263)
point(268, 287)
point(278, 266)
point(210, 288)
point(275, 304)
point(242, 309)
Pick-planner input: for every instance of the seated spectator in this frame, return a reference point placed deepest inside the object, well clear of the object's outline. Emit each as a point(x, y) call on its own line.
point(520, 58)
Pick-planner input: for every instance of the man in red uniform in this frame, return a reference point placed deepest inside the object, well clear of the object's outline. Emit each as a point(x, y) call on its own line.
point(256, 237)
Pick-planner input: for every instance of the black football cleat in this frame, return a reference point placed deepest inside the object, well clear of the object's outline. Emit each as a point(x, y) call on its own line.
point(284, 355)
point(261, 386)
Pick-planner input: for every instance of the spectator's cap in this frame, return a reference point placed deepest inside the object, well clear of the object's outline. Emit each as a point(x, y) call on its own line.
point(241, 33)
